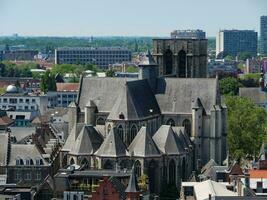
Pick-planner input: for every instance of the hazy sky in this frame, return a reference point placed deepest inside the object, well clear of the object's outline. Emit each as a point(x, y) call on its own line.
point(126, 17)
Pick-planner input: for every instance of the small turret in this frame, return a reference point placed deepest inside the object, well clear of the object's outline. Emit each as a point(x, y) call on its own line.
point(149, 70)
point(89, 112)
point(132, 191)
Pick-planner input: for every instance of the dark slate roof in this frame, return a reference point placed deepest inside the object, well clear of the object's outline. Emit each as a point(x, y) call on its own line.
point(59, 127)
point(70, 142)
point(183, 140)
point(102, 91)
point(87, 142)
point(120, 188)
point(143, 145)
point(167, 141)
point(24, 151)
point(3, 148)
point(132, 184)
point(135, 101)
point(208, 165)
point(175, 95)
point(112, 146)
point(255, 94)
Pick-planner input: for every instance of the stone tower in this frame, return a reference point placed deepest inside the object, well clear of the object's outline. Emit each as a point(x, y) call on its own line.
point(184, 58)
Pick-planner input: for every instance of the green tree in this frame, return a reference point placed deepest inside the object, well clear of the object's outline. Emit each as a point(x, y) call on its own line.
point(110, 73)
point(228, 58)
point(229, 85)
point(132, 69)
point(246, 127)
point(48, 82)
point(244, 55)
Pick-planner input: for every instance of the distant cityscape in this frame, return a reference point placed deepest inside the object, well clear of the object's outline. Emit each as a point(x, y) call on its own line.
point(131, 118)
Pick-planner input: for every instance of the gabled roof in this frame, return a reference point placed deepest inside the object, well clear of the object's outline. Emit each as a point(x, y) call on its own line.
point(143, 145)
point(25, 151)
point(120, 188)
point(258, 173)
point(167, 141)
point(132, 184)
point(87, 142)
point(70, 142)
point(102, 91)
point(67, 87)
point(3, 148)
point(135, 101)
point(208, 165)
point(209, 187)
point(175, 95)
point(112, 146)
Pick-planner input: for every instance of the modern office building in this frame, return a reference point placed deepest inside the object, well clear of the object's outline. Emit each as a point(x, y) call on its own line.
point(19, 54)
point(102, 56)
point(263, 30)
point(186, 34)
point(233, 42)
point(66, 93)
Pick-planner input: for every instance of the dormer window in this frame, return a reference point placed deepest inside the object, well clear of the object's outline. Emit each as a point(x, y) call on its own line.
point(29, 161)
point(19, 161)
point(39, 161)
point(121, 116)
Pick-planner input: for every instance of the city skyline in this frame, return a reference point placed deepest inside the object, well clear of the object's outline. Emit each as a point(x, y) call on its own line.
point(124, 18)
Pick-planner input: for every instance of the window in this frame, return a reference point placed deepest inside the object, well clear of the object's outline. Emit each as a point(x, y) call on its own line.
point(5, 100)
point(28, 176)
point(27, 100)
point(39, 161)
point(138, 168)
point(121, 116)
point(18, 176)
point(29, 161)
point(33, 100)
point(133, 133)
point(19, 161)
point(187, 126)
point(38, 175)
point(100, 121)
point(120, 132)
point(170, 122)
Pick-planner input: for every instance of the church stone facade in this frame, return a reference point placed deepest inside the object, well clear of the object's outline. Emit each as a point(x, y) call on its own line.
point(181, 57)
point(165, 126)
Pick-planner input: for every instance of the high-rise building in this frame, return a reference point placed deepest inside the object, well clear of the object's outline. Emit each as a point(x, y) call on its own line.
point(233, 42)
point(263, 39)
point(102, 56)
point(187, 34)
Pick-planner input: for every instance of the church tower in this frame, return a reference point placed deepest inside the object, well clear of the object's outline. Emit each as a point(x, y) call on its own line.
point(183, 58)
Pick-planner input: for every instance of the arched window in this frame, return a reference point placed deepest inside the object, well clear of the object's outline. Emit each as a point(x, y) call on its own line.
point(182, 64)
point(72, 162)
point(187, 126)
point(108, 165)
point(121, 132)
point(133, 133)
point(168, 61)
point(172, 172)
point(170, 122)
point(138, 168)
point(109, 128)
point(85, 163)
point(100, 121)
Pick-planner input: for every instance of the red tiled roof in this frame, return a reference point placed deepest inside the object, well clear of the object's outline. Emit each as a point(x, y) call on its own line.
point(5, 120)
point(257, 173)
point(67, 87)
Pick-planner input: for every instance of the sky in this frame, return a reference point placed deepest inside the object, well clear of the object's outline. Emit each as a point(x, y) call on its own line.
point(126, 17)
